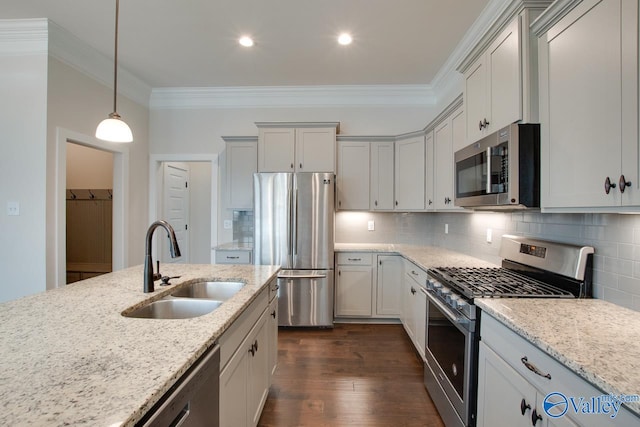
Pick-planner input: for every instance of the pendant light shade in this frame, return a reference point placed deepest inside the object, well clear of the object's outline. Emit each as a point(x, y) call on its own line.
point(113, 128)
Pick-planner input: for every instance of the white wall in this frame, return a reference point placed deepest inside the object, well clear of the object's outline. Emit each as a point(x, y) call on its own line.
point(23, 131)
point(89, 168)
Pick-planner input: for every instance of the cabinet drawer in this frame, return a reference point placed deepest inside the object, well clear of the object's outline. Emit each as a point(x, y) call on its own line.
point(354, 258)
point(233, 257)
point(415, 272)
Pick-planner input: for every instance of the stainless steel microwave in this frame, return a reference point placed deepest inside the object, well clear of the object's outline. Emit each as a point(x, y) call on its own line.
point(501, 171)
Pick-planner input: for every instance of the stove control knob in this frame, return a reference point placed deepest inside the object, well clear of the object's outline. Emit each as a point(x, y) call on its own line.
point(452, 300)
point(444, 291)
point(436, 285)
point(461, 304)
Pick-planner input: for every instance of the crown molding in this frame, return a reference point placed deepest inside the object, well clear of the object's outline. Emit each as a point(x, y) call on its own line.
point(292, 96)
point(23, 37)
point(71, 50)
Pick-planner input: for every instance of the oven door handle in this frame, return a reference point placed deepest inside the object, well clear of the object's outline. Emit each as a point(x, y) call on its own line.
point(488, 188)
point(458, 320)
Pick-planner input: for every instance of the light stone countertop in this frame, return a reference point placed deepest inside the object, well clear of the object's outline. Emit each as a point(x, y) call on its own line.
point(423, 256)
point(597, 340)
point(70, 358)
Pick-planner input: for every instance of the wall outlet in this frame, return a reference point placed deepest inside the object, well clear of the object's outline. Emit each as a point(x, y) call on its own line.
point(446, 229)
point(228, 224)
point(489, 235)
point(371, 225)
point(13, 208)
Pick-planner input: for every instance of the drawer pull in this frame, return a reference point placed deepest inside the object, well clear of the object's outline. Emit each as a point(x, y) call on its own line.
point(533, 368)
point(232, 257)
point(414, 273)
point(354, 259)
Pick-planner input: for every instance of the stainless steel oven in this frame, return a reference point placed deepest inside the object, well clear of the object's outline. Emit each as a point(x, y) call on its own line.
point(450, 349)
point(530, 268)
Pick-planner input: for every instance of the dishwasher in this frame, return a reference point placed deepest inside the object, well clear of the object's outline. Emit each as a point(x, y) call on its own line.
point(194, 400)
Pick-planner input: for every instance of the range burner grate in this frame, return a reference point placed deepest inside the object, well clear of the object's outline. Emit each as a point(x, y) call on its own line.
point(496, 282)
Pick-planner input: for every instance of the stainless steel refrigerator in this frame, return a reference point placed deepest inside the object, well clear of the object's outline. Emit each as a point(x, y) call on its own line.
point(294, 214)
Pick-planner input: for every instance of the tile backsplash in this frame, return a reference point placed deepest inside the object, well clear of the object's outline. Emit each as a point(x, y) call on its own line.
point(615, 237)
point(243, 226)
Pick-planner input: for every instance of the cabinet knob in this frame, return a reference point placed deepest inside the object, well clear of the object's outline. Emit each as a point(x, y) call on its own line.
point(396, 203)
point(623, 183)
point(535, 417)
point(430, 202)
point(524, 406)
point(339, 202)
point(291, 165)
point(447, 200)
point(413, 291)
point(608, 185)
point(300, 165)
point(375, 203)
point(273, 314)
point(480, 126)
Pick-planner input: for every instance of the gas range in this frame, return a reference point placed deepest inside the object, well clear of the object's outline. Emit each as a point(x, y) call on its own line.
point(530, 268)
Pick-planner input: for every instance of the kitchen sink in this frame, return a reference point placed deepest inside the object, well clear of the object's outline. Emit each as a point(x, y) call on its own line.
point(219, 291)
point(175, 308)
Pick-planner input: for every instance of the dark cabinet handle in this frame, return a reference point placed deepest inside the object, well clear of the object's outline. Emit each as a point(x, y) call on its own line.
point(447, 200)
point(339, 202)
point(483, 124)
point(300, 165)
point(533, 368)
point(291, 165)
point(375, 203)
point(524, 406)
point(623, 183)
point(430, 202)
point(273, 314)
point(535, 417)
point(480, 125)
point(255, 345)
point(396, 203)
point(413, 291)
point(252, 350)
point(608, 185)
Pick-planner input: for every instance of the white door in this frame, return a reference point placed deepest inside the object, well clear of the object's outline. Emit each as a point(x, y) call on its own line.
point(176, 209)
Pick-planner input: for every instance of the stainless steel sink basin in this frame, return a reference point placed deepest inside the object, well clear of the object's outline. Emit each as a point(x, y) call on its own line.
point(219, 291)
point(175, 308)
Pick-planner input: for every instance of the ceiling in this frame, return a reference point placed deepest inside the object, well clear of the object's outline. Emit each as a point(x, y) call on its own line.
point(193, 43)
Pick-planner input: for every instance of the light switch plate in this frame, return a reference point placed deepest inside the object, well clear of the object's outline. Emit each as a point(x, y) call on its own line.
point(228, 224)
point(13, 208)
point(371, 225)
point(446, 229)
point(489, 235)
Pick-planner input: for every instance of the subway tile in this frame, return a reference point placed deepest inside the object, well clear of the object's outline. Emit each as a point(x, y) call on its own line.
point(618, 297)
point(629, 284)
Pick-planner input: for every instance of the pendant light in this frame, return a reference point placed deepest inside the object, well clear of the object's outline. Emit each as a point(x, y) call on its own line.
point(113, 128)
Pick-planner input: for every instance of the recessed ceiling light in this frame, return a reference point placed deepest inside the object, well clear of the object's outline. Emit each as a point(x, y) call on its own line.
point(345, 39)
point(246, 41)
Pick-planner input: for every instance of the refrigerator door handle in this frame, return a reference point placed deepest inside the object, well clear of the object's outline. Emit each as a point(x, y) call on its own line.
point(303, 276)
point(294, 226)
point(290, 236)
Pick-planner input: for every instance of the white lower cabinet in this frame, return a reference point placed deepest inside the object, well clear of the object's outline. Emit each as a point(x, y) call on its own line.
point(273, 337)
point(515, 378)
point(354, 284)
point(247, 363)
point(414, 305)
point(389, 286)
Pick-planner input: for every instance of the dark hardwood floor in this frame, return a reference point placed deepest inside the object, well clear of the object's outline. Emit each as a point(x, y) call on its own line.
point(352, 375)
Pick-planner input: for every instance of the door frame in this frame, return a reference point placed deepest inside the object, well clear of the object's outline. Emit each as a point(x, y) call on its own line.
point(57, 270)
point(155, 188)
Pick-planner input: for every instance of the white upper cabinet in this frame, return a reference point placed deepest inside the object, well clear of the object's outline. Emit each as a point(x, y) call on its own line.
point(382, 176)
point(297, 147)
point(430, 171)
point(589, 105)
point(450, 130)
point(410, 172)
point(353, 175)
point(500, 74)
point(241, 164)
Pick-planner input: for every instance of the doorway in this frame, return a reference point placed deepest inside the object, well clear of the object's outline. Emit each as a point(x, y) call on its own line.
point(89, 212)
point(198, 205)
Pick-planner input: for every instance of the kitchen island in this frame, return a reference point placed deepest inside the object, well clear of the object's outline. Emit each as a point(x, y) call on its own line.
point(69, 356)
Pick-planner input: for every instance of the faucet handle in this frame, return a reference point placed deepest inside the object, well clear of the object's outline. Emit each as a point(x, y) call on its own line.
point(165, 280)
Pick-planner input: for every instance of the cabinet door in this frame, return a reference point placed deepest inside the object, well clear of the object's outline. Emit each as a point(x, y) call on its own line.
point(382, 176)
point(315, 150)
point(504, 397)
point(353, 175)
point(233, 389)
point(273, 337)
point(276, 150)
point(452, 129)
point(475, 95)
point(581, 129)
point(504, 72)
point(242, 163)
point(408, 306)
point(353, 291)
point(429, 171)
point(420, 320)
point(259, 373)
point(389, 285)
point(409, 174)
